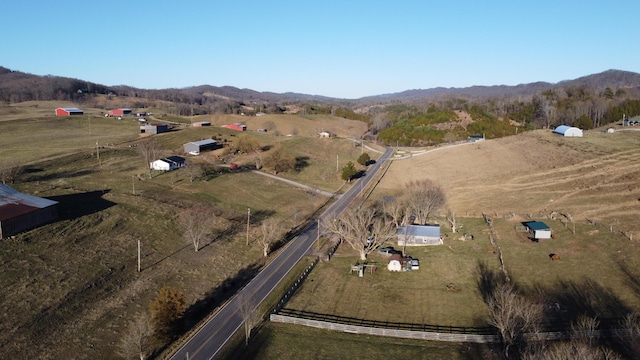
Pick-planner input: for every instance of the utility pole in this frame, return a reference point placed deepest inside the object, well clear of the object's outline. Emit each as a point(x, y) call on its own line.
point(318, 240)
point(139, 255)
point(248, 222)
point(337, 163)
point(133, 184)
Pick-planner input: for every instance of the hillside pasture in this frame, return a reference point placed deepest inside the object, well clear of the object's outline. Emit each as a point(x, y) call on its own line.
point(72, 286)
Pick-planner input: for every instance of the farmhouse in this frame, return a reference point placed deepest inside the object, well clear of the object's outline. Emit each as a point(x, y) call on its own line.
point(21, 212)
point(154, 128)
point(568, 131)
point(236, 126)
point(196, 147)
point(68, 111)
point(119, 112)
point(395, 263)
point(168, 163)
point(419, 235)
point(538, 229)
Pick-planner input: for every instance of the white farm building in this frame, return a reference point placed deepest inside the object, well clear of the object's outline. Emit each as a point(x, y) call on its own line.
point(168, 163)
point(568, 131)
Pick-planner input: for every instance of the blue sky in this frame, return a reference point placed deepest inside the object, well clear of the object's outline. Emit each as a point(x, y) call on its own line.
point(345, 49)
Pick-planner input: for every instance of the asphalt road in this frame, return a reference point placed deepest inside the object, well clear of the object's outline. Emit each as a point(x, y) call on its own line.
point(209, 340)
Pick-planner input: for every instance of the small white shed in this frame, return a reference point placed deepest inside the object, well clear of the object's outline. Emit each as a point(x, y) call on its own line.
point(395, 263)
point(168, 163)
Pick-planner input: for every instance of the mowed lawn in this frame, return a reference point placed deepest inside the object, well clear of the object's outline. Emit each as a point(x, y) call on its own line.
point(595, 276)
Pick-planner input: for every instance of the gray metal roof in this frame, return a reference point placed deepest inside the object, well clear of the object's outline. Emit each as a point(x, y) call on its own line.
point(204, 142)
point(420, 230)
point(10, 196)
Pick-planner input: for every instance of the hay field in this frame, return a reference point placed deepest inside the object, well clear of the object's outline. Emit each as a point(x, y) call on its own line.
point(594, 177)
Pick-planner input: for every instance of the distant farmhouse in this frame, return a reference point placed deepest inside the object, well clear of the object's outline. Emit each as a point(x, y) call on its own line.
point(68, 111)
point(419, 235)
point(119, 112)
point(168, 163)
point(21, 212)
point(154, 128)
point(236, 126)
point(568, 131)
point(196, 147)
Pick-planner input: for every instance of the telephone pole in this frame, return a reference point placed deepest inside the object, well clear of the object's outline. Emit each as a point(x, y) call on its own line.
point(248, 217)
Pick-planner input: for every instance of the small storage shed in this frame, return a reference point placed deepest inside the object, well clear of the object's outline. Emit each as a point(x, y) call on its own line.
point(196, 147)
point(419, 235)
point(395, 263)
point(568, 131)
point(21, 212)
point(324, 134)
point(538, 229)
point(68, 111)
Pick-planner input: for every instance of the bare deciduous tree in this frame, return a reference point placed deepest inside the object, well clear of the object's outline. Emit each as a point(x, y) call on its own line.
point(451, 218)
point(247, 306)
point(361, 228)
point(149, 149)
point(135, 341)
point(10, 171)
point(423, 198)
point(198, 222)
point(513, 315)
point(396, 209)
point(269, 232)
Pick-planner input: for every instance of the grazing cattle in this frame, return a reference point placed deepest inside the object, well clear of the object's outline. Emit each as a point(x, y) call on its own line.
point(554, 256)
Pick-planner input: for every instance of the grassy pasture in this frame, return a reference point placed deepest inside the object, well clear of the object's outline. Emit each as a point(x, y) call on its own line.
point(70, 287)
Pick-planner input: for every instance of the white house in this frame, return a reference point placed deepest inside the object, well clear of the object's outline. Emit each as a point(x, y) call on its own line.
point(568, 131)
point(168, 163)
point(324, 134)
point(419, 235)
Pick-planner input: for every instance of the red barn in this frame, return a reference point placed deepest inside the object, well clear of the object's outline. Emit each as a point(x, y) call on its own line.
point(68, 111)
point(119, 112)
point(236, 126)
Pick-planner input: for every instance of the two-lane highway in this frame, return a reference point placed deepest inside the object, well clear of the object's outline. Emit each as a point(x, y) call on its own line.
point(211, 337)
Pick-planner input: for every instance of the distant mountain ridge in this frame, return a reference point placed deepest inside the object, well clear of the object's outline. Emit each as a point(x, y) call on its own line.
point(17, 86)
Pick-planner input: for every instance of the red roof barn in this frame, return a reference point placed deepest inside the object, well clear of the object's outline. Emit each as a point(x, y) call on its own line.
point(236, 126)
point(68, 111)
point(119, 112)
point(21, 212)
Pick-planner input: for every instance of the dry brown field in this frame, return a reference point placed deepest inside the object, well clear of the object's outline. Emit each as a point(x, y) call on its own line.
point(594, 177)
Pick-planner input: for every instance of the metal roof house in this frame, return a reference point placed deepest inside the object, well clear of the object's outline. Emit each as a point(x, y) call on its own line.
point(419, 235)
point(195, 147)
point(568, 131)
point(538, 229)
point(21, 212)
point(68, 111)
point(167, 164)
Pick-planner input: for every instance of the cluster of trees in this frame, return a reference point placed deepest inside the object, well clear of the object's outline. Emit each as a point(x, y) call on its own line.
point(365, 227)
point(520, 321)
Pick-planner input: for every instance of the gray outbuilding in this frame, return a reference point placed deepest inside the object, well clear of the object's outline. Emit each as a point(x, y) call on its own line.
point(196, 147)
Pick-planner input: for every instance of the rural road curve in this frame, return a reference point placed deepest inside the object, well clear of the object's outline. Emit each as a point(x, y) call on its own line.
point(207, 342)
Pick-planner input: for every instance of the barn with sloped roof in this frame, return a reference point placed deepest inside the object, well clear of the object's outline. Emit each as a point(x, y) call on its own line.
point(21, 212)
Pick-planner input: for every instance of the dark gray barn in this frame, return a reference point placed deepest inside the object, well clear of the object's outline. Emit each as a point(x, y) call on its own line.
point(21, 212)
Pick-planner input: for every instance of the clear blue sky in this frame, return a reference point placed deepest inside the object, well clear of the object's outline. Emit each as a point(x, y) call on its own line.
point(346, 49)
